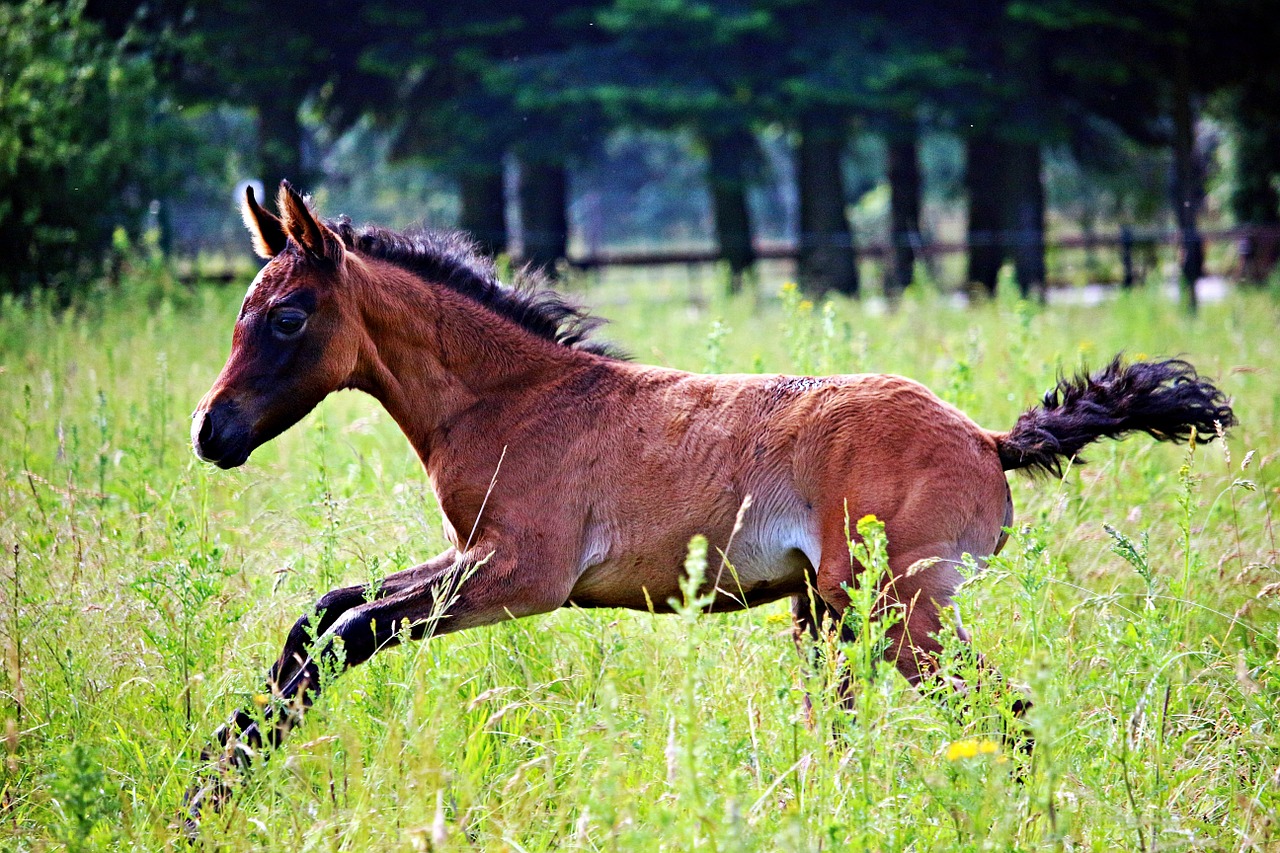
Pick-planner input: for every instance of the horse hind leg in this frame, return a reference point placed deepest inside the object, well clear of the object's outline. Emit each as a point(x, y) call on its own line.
point(814, 624)
point(920, 588)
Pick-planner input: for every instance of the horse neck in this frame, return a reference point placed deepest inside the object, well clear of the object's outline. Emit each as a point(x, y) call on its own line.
point(431, 354)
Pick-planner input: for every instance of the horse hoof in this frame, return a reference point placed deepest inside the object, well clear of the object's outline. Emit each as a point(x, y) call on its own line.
point(201, 799)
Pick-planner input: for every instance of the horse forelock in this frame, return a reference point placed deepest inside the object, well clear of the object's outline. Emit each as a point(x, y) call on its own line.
point(452, 260)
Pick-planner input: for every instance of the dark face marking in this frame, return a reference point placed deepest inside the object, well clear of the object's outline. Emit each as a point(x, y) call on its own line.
point(282, 362)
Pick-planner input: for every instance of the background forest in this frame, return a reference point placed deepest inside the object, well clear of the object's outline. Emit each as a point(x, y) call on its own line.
point(690, 129)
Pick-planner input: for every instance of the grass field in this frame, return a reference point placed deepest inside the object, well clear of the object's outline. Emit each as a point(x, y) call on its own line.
point(144, 595)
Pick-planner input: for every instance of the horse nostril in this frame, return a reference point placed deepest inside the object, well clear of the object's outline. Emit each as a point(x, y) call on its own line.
point(206, 428)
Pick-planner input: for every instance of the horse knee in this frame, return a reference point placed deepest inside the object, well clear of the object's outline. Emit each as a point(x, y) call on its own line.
point(310, 626)
point(327, 609)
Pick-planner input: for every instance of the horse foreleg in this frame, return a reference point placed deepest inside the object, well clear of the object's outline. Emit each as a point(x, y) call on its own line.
point(444, 596)
point(234, 743)
point(465, 594)
point(332, 605)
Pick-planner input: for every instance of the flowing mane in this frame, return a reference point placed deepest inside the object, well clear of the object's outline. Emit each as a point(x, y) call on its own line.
point(451, 259)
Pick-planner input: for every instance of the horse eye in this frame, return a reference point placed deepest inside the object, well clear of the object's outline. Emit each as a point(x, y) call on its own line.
point(288, 322)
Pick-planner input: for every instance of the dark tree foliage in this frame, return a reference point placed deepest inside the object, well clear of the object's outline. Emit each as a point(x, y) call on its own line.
point(461, 101)
point(470, 88)
point(87, 139)
point(708, 68)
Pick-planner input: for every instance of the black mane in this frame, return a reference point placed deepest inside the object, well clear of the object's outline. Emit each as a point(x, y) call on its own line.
point(451, 259)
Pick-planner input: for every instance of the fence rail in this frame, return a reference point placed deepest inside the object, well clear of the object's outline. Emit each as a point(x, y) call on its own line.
point(1259, 235)
point(1258, 246)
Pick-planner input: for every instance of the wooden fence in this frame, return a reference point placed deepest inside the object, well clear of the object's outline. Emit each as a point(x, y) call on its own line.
point(1257, 252)
point(1260, 242)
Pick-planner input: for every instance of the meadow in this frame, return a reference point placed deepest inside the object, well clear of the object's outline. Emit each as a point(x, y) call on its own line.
point(144, 594)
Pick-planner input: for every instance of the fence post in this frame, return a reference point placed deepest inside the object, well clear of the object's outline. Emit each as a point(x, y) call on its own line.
point(1126, 254)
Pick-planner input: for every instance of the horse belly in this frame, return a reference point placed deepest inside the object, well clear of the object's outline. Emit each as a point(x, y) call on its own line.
point(768, 558)
point(772, 556)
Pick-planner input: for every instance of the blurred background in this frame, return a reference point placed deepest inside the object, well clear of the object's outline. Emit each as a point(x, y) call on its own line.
point(851, 147)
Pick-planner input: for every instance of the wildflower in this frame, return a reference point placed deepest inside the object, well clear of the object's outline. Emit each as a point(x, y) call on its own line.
point(971, 749)
point(261, 700)
point(869, 526)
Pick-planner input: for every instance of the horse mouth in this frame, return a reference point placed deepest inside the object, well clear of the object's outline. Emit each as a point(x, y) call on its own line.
point(227, 447)
point(227, 457)
point(233, 459)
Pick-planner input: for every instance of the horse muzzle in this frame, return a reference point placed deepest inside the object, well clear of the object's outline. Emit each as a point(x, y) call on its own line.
point(218, 435)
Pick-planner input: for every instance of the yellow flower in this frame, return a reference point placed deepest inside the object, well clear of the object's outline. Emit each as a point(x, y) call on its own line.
point(971, 749)
point(869, 525)
point(261, 700)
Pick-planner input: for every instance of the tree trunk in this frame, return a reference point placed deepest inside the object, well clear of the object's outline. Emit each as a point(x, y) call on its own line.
point(984, 168)
point(1186, 192)
point(1254, 201)
point(827, 259)
point(482, 208)
point(904, 207)
point(1024, 222)
point(727, 181)
point(544, 191)
point(280, 146)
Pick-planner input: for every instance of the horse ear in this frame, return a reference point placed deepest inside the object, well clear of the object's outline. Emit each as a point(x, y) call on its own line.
point(301, 225)
point(265, 230)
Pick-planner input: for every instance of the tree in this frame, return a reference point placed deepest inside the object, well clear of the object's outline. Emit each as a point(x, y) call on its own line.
point(1001, 102)
point(1149, 67)
point(826, 258)
point(459, 99)
point(822, 87)
point(701, 67)
point(1039, 75)
point(278, 59)
point(86, 141)
point(1255, 201)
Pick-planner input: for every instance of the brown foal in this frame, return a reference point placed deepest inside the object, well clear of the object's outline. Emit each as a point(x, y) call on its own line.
point(569, 477)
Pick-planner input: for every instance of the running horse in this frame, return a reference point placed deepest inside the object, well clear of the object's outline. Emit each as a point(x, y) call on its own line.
point(570, 477)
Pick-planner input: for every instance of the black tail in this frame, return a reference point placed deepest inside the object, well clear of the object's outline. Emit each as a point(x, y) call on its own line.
point(1166, 399)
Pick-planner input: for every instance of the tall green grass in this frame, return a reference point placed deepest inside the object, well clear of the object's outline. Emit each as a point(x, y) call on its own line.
point(144, 595)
